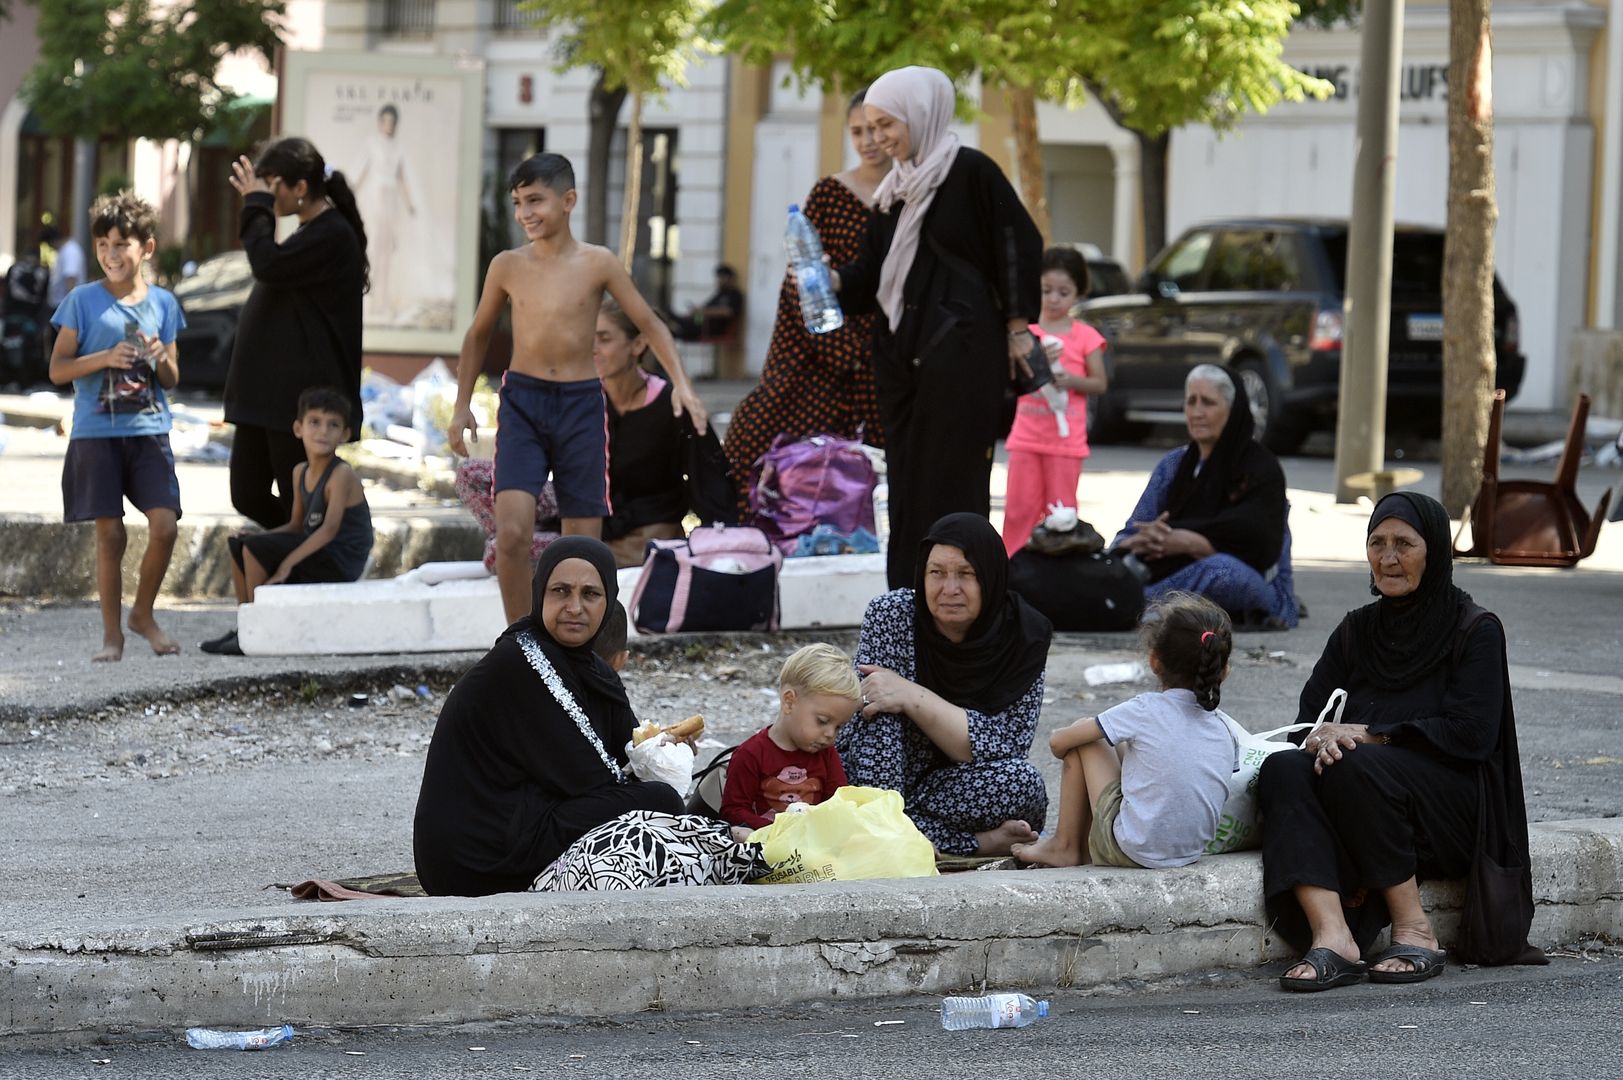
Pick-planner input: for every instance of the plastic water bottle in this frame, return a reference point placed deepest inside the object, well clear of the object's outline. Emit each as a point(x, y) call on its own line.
point(991, 1011)
point(818, 305)
point(263, 1039)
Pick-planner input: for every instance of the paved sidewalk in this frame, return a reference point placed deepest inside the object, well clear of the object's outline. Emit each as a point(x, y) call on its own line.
point(109, 872)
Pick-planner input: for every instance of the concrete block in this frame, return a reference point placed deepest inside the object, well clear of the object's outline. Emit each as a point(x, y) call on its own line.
point(448, 959)
point(407, 615)
point(371, 617)
point(41, 557)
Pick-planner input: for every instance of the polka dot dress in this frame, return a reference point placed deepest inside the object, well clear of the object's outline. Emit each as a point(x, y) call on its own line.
point(813, 383)
point(949, 802)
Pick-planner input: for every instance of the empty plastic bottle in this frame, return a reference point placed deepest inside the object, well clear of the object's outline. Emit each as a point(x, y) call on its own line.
point(209, 1039)
point(991, 1011)
point(818, 305)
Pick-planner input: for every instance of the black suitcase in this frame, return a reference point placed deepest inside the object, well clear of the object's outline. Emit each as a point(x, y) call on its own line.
point(1079, 592)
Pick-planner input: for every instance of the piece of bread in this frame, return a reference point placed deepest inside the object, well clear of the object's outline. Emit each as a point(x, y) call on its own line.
point(691, 728)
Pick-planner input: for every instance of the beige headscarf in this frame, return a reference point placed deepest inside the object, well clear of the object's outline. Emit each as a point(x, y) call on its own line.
point(921, 98)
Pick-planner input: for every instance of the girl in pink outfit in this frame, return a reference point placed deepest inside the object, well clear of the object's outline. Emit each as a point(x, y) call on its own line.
point(1045, 457)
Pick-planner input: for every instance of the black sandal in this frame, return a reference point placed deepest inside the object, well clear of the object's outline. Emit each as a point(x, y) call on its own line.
point(1330, 970)
point(1428, 964)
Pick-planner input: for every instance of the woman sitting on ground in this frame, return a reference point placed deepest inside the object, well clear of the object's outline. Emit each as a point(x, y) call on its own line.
point(529, 751)
point(1419, 779)
point(649, 489)
point(952, 686)
point(1213, 518)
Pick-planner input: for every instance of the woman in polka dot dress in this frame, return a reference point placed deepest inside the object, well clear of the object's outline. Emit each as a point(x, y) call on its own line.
point(816, 383)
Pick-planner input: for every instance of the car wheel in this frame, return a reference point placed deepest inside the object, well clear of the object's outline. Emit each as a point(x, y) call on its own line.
point(1275, 429)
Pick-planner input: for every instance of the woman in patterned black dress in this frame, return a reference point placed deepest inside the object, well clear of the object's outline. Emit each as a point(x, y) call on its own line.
point(952, 685)
point(816, 383)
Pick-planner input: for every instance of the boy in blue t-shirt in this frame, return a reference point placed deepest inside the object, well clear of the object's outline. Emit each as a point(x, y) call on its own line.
point(116, 343)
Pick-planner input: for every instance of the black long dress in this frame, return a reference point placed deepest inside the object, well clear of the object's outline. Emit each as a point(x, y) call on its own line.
point(942, 373)
point(510, 780)
point(1446, 794)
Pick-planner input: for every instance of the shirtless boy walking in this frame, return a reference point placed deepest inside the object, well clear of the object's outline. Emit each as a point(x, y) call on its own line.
point(551, 418)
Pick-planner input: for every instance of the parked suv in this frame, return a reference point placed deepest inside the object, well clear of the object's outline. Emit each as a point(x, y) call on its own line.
point(1263, 298)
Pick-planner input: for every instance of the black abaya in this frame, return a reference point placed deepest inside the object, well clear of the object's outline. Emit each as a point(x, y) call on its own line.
point(510, 780)
point(942, 373)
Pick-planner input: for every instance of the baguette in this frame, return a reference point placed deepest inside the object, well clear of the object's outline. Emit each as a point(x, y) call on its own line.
point(691, 728)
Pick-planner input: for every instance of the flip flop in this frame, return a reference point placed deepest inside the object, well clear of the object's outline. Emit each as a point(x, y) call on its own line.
point(1428, 964)
point(1330, 970)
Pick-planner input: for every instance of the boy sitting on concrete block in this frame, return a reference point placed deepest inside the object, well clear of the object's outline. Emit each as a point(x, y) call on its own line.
point(330, 535)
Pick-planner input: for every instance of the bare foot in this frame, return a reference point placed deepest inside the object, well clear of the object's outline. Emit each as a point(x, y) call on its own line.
point(1419, 934)
point(1344, 947)
point(112, 651)
point(147, 627)
point(1047, 852)
point(1001, 840)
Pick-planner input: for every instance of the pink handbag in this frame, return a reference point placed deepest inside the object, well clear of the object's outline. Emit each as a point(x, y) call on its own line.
point(803, 483)
point(718, 578)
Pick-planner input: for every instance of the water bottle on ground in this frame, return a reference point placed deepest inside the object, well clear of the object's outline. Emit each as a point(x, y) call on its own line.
point(818, 305)
point(209, 1039)
point(991, 1011)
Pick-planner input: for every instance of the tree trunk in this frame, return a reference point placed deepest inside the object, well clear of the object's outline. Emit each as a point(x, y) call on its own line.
point(605, 115)
point(1468, 345)
point(1029, 159)
point(1152, 190)
point(633, 203)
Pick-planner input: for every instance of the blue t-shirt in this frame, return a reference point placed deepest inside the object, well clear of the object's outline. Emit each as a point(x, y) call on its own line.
point(111, 403)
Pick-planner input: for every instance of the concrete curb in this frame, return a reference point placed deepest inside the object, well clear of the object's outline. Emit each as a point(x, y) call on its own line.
point(584, 955)
point(45, 558)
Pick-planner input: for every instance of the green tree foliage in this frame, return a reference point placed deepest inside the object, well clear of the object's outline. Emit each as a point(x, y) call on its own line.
point(636, 46)
point(129, 68)
point(1153, 66)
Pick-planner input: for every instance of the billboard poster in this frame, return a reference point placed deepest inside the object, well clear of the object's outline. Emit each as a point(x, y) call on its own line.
point(405, 131)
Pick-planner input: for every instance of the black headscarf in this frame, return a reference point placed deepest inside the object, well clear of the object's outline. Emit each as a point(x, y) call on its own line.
point(1007, 644)
point(580, 666)
point(1236, 499)
point(1400, 640)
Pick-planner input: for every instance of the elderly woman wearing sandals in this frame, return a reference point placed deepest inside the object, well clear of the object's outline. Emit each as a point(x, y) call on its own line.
point(1420, 779)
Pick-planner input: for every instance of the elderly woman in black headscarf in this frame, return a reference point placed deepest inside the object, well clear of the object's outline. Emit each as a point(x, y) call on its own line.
point(529, 751)
point(952, 685)
point(1418, 777)
point(1213, 518)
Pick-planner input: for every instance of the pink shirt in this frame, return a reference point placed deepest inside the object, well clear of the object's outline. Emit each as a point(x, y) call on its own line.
point(1035, 429)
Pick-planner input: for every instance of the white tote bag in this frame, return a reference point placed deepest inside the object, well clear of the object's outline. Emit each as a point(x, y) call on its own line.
point(1237, 827)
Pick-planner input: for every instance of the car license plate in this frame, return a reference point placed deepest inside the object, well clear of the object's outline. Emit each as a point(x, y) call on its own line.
point(1425, 328)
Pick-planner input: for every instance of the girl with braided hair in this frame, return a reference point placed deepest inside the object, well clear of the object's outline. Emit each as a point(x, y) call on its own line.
point(1144, 782)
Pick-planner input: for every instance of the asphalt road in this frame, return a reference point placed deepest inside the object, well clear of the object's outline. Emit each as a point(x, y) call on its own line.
point(1559, 1022)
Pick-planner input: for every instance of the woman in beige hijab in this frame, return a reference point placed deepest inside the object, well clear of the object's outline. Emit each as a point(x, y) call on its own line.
point(952, 261)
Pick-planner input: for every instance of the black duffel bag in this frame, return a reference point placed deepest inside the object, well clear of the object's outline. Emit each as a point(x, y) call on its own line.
point(1079, 592)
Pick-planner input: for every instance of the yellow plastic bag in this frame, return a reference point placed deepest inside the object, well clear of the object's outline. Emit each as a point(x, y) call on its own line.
point(861, 832)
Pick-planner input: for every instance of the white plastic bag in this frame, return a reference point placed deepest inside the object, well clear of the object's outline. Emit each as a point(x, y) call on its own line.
point(661, 759)
point(1237, 827)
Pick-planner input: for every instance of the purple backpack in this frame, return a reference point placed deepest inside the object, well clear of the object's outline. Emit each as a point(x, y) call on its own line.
point(803, 483)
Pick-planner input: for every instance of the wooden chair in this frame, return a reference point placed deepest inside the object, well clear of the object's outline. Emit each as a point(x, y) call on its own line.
point(1533, 522)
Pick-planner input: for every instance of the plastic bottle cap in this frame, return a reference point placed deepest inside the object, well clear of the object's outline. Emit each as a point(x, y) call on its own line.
point(1042, 1008)
point(794, 208)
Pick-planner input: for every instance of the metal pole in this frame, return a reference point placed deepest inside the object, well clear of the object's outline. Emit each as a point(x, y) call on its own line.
point(1611, 173)
point(1361, 430)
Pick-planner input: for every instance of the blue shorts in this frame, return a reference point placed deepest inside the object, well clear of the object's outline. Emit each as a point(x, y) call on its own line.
point(99, 474)
point(556, 428)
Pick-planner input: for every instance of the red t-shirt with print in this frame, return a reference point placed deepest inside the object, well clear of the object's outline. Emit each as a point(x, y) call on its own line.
point(763, 779)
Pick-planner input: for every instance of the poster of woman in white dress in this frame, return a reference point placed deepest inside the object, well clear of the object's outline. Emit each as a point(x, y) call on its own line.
point(396, 131)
